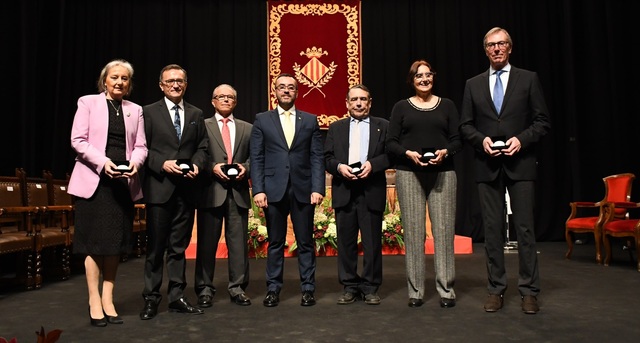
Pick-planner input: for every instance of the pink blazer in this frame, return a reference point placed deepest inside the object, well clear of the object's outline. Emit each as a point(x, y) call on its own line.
point(89, 140)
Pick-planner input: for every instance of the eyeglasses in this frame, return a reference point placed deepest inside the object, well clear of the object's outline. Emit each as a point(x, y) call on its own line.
point(225, 97)
point(500, 44)
point(428, 75)
point(170, 82)
point(283, 88)
point(362, 98)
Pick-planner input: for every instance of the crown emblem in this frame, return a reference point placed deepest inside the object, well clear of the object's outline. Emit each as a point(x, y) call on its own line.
point(314, 52)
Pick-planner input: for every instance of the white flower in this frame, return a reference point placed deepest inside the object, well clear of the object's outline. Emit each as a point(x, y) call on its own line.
point(320, 217)
point(331, 231)
point(262, 230)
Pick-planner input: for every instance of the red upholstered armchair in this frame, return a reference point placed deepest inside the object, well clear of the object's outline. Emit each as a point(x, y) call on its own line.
point(625, 228)
point(617, 189)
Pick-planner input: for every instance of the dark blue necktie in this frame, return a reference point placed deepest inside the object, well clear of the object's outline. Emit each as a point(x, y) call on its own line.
point(498, 91)
point(176, 121)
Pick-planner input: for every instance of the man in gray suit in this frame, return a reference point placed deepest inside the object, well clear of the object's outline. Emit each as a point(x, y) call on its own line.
point(225, 199)
point(177, 143)
point(506, 104)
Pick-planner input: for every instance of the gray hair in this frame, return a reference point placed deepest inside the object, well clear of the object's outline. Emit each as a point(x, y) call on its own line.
point(103, 74)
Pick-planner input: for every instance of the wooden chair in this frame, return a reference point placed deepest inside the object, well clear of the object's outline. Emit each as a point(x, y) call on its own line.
point(392, 197)
point(624, 228)
point(53, 225)
point(617, 189)
point(140, 230)
point(18, 236)
point(58, 196)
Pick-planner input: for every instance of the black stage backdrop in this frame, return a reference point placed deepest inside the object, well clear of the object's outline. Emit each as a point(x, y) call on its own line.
point(54, 50)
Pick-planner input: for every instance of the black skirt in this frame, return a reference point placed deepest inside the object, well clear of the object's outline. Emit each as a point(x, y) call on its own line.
point(104, 222)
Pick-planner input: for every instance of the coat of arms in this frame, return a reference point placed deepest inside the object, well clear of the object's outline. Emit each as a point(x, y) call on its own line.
point(314, 74)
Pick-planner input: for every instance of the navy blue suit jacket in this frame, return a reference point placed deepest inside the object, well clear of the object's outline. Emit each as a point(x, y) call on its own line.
point(274, 164)
point(524, 114)
point(337, 151)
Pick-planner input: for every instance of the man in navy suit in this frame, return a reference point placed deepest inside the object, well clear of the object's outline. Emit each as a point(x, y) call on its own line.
point(506, 104)
point(287, 177)
point(355, 155)
point(177, 142)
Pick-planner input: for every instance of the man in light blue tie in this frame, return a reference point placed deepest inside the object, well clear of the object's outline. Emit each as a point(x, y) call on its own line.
point(359, 198)
point(519, 115)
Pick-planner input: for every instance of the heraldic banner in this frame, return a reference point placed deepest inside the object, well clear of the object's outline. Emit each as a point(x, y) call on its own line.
point(319, 43)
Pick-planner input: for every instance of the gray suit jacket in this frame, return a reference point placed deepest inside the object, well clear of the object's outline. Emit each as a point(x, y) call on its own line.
point(215, 192)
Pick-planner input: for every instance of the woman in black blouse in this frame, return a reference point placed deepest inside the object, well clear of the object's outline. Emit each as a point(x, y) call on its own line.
point(423, 136)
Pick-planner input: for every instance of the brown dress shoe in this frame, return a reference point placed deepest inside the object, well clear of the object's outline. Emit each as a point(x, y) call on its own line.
point(530, 304)
point(347, 298)
point(493, 303)
point(372, 299)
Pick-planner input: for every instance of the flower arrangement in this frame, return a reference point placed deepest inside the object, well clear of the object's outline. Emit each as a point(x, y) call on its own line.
point(257, 231)
point(324, 227)
point(392, 232)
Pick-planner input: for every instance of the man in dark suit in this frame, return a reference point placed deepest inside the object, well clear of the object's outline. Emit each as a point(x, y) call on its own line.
point(177, 143)
point(225, 199)
point(287, 177)
point(356, 157)
point(518, 117)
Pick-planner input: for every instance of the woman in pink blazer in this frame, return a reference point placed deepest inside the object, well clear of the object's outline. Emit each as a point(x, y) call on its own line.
point(108, 137)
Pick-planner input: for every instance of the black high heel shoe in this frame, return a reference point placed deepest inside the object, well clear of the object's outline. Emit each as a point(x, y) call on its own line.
point(113, 319)
point(102, 322)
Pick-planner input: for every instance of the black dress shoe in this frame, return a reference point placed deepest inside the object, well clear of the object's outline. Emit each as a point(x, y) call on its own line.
point(446, 303)
point(182, 306)
point(307, 299)
point(271, 299)
point(414, 302)
point(241, 299)
point(150, 310)
point(205, 301)
point(114, 319)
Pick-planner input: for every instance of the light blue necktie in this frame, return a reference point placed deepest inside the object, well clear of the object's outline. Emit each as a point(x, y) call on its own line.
point(176, 121)
point(498, 92)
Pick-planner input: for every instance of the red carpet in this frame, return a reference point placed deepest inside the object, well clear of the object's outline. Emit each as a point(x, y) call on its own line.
point(462, 245)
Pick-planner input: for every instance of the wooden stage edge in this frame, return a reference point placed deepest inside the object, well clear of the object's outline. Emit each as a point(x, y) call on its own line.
point(462, 245)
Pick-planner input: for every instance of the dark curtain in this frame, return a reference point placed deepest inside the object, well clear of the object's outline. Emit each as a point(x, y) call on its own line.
point(54, 51)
